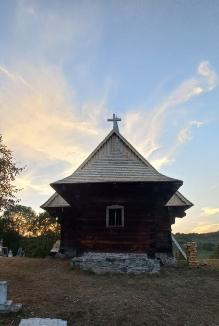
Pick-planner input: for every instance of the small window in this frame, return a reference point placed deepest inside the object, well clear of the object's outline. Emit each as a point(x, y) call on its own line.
point(115, 216)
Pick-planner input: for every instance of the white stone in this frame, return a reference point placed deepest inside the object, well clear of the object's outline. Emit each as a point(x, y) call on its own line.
point(165, 259)
point(10, 254)
point(42, 322)
point(3, 292)
point(7, 306)
point(105, 262)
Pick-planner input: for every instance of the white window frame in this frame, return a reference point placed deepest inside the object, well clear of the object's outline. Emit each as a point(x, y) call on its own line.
point(107, 216)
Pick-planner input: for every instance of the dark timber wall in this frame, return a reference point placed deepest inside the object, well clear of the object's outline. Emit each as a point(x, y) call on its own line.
point(146, 228)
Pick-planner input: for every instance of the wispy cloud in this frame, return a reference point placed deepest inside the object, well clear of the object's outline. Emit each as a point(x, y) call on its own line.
point(206, 228)
point(42, 124)
point(49, 132)
point(210, 211)
point(184, 135)
point(14, 77)
point(148, 127)
point(56, 30)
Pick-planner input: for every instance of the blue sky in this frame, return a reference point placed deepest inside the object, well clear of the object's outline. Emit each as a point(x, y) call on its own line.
point(65, 66)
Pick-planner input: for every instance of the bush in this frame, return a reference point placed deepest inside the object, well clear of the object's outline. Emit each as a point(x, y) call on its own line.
point(215, 254)
point(206, 246)
point(21, 227)
point(38, 247)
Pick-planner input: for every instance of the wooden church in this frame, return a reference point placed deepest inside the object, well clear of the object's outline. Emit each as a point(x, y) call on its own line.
point(116, 202)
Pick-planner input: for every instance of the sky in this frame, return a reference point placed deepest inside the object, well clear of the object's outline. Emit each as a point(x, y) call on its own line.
point(66, 66)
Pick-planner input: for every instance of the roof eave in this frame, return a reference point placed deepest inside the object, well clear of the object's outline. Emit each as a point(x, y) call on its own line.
point(62, 182)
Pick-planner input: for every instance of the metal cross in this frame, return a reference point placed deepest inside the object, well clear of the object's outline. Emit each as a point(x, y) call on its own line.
point(115, 119)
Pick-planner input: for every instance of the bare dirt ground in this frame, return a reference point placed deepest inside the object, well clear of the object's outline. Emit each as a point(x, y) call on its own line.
point(49, 288)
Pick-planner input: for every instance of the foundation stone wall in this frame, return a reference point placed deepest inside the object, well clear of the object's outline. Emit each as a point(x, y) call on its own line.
point(135, 263)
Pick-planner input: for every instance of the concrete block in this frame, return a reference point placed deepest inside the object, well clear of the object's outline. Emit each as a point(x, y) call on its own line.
point(3, 292)
point(7, 306)
point(42, 322)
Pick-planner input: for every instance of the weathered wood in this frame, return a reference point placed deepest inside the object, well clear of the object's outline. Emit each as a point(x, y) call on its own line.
point(146, 227)
point(176, 243)
point(115, 174)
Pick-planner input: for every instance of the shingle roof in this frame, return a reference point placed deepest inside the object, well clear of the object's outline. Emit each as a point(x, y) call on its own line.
point(179, 200)
point(56, 201)
point(115, 160)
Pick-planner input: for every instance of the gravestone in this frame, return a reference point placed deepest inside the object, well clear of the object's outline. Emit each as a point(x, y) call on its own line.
point(3, 292)
point(10, 254)
point(1, 247)
point(6, 305)
point(42, 322)
point(20, 252)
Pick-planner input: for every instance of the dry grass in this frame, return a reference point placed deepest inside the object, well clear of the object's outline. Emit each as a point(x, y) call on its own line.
point(49, 288)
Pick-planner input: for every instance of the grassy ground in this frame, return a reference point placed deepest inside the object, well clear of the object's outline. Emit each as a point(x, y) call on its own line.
point(49, 288)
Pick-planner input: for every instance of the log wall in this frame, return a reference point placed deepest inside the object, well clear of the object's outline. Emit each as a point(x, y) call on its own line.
point(146, 228)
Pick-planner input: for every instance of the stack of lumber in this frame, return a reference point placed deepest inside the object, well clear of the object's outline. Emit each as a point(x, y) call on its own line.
point(192, 259)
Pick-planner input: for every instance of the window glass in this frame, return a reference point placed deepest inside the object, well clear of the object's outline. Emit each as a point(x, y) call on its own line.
point(111, 217)
point(118, 216)
point(115, 216)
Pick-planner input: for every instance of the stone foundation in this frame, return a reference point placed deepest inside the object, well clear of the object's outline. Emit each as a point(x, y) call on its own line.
point(135, 263)
point(165, 259)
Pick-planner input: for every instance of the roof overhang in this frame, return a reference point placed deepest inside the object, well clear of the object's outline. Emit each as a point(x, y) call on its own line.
point(151, 192)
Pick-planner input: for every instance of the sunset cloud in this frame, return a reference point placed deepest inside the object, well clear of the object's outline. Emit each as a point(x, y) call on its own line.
point(44, 126)
point(206, 228)
point(209, 211)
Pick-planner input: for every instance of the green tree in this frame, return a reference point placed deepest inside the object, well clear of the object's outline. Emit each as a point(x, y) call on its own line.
point(8, 172)
point(27, 223)
point(44, 224)
point(215, 254)
point(19, 219)
point(21, 226)
point(11, 238)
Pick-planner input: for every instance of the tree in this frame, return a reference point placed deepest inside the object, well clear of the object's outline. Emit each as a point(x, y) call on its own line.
point(11, 238)
point(27, 223)
point(20, 219)
point(21, 226)
point(8, 172)
point(44, 224)
point(215, 254)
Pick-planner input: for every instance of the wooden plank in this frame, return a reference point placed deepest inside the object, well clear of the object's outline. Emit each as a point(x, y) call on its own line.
point(176, 243)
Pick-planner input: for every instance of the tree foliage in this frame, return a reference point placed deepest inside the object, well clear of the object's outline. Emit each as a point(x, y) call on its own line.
point(215, 254)
point(8, 172)
point(21, 226)
point(27, 223)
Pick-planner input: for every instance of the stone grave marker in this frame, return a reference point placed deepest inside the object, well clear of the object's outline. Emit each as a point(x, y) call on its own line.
point(6, 305)
point(42, 322)
point(3, 292)
point(10, 254)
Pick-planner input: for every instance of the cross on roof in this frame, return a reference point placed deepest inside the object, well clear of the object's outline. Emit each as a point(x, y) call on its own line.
point(115, 119)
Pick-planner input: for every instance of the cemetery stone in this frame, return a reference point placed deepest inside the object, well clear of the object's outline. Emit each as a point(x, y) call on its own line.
point(42, 322)
point(6, 305)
